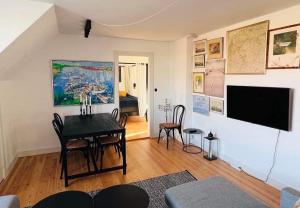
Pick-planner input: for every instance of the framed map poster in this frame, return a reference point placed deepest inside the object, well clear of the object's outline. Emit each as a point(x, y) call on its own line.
point(201, 104)
point(215, 78)
point(284, 48)
point(246, 49)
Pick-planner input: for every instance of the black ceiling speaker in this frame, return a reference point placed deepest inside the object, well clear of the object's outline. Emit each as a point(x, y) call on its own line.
point(87, 28)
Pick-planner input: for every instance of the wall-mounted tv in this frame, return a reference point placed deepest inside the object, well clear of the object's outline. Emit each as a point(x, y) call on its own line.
point(265, 106)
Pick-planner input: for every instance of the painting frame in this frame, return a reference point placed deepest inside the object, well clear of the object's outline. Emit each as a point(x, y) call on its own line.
point(216, 106)
point(215, 78)
point(199, 63)
point(248, 66)
point(198, 87)
point(198, 48)
point(216, 44)
point(280, 57)
point(201, 104)
point(112, 80)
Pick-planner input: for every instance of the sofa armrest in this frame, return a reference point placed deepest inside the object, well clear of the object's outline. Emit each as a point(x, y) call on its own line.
point(289, 197)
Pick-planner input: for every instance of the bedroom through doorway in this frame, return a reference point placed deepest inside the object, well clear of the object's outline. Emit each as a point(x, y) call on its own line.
point(133, 94)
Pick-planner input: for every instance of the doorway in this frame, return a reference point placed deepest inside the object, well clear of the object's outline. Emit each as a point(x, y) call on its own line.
point(134, 88)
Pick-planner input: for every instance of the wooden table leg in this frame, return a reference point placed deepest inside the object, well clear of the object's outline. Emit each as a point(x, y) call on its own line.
point(65, 167)
point(124, 152)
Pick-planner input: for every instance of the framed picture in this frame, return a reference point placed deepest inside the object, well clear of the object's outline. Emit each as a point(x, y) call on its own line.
point(215, 48)
point(201, 104)
point(73, 79)
point(200, 47)
point(198, 82)
point(284, 48)
point(246, 49)
point(216, 106)
point(215, 78)
point(199, 61)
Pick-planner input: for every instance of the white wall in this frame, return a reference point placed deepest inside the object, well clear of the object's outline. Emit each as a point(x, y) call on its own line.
point(252, 146)
point(32, 84)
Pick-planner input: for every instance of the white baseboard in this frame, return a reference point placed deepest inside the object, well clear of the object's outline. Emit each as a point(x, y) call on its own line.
point(254, 172)
point(41, 151)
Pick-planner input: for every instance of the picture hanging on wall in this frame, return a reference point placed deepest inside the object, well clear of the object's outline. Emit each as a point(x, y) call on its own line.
point(199, 61)
point(284, 48)
point(246, 49)
point(198, 82)
point(215, 48)
point(214, 78)
point(75, 79)
point(201, 104)
point(216, 106)
point(200, 47)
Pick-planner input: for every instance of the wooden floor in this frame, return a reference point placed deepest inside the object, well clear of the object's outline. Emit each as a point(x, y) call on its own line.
point(36, 177)
point(136, 128)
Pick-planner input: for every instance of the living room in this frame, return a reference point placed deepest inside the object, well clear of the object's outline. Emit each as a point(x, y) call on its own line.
point(186, 41)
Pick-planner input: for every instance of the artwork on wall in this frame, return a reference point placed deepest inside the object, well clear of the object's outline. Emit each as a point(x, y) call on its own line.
point(200, 47)
point(214, 78)
point(284, 48)
point(198, 82)
point(75, 79)
point(246, 49)
point(199, 61)
point(215, 48)
point(201, 104)
point(216, 106)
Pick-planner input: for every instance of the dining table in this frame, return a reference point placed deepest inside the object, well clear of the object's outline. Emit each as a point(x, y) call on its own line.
point(91, 126)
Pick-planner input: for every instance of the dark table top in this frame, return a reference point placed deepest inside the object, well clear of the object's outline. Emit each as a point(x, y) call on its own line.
point(122, 196)
point(193, 131)
point(95, 125)
point(72, 199)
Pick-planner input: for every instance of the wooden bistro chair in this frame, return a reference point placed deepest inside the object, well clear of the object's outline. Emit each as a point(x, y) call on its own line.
point(178, 113)
point(115, 113)
point(82, 145)
point(114, 140)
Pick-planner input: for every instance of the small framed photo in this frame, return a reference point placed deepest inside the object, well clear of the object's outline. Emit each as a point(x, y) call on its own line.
point(199, 61)
point(283, 50)
point(198, 82)
point(200, 47)
point(215, 48)
point(216, 106)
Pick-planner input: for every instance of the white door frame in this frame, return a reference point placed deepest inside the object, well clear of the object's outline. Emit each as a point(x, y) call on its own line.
point(2, 155)
point(150, 82)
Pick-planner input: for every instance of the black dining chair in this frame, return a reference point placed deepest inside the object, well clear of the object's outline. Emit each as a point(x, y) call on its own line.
point(115, 113)
point(114, 140)
point(176, 123)
point(81, 145)
point(61, 126)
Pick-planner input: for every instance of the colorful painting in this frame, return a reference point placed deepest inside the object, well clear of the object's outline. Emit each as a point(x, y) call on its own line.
point(284, 48)
point(199, 61)
point(215, 48)
point(216, 106)
point(198, 82)
point(214, 78)
point(200, 47)
point(246, 49)
point(201, 104)
point(75, 79)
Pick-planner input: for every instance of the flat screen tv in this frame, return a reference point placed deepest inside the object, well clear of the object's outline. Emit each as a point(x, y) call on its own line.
point(265, 106)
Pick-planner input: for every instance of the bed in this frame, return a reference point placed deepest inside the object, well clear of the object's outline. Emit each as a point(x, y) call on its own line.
point(129, 104)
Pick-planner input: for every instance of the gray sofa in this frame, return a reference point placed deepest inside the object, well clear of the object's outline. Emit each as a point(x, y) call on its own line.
point(9, 201)
point(217, 192)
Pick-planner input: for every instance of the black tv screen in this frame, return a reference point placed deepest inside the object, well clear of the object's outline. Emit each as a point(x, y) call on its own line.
point(260, 105)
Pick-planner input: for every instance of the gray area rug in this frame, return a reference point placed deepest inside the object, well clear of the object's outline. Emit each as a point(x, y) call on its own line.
point(156, 187)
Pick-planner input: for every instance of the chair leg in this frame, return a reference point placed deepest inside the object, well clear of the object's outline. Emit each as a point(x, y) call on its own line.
point(61, 171)
point(118, 149)
point(60, 157)
point(86, 155)
point(168, 134)
point(90, 151)
point(101, 156)
point(173, 133)
point(179, 130)
point(159, 135)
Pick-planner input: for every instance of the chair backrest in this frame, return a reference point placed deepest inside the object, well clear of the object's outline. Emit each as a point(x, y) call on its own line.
point(178, 113)
point(58, 131)
point(115, 113)
point(123, 119)
point(59, 120)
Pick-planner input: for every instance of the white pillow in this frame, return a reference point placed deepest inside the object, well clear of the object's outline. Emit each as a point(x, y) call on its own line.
point(297, 205)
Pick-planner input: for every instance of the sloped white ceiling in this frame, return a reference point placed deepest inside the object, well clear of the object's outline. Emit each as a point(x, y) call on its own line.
point(163, 20)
